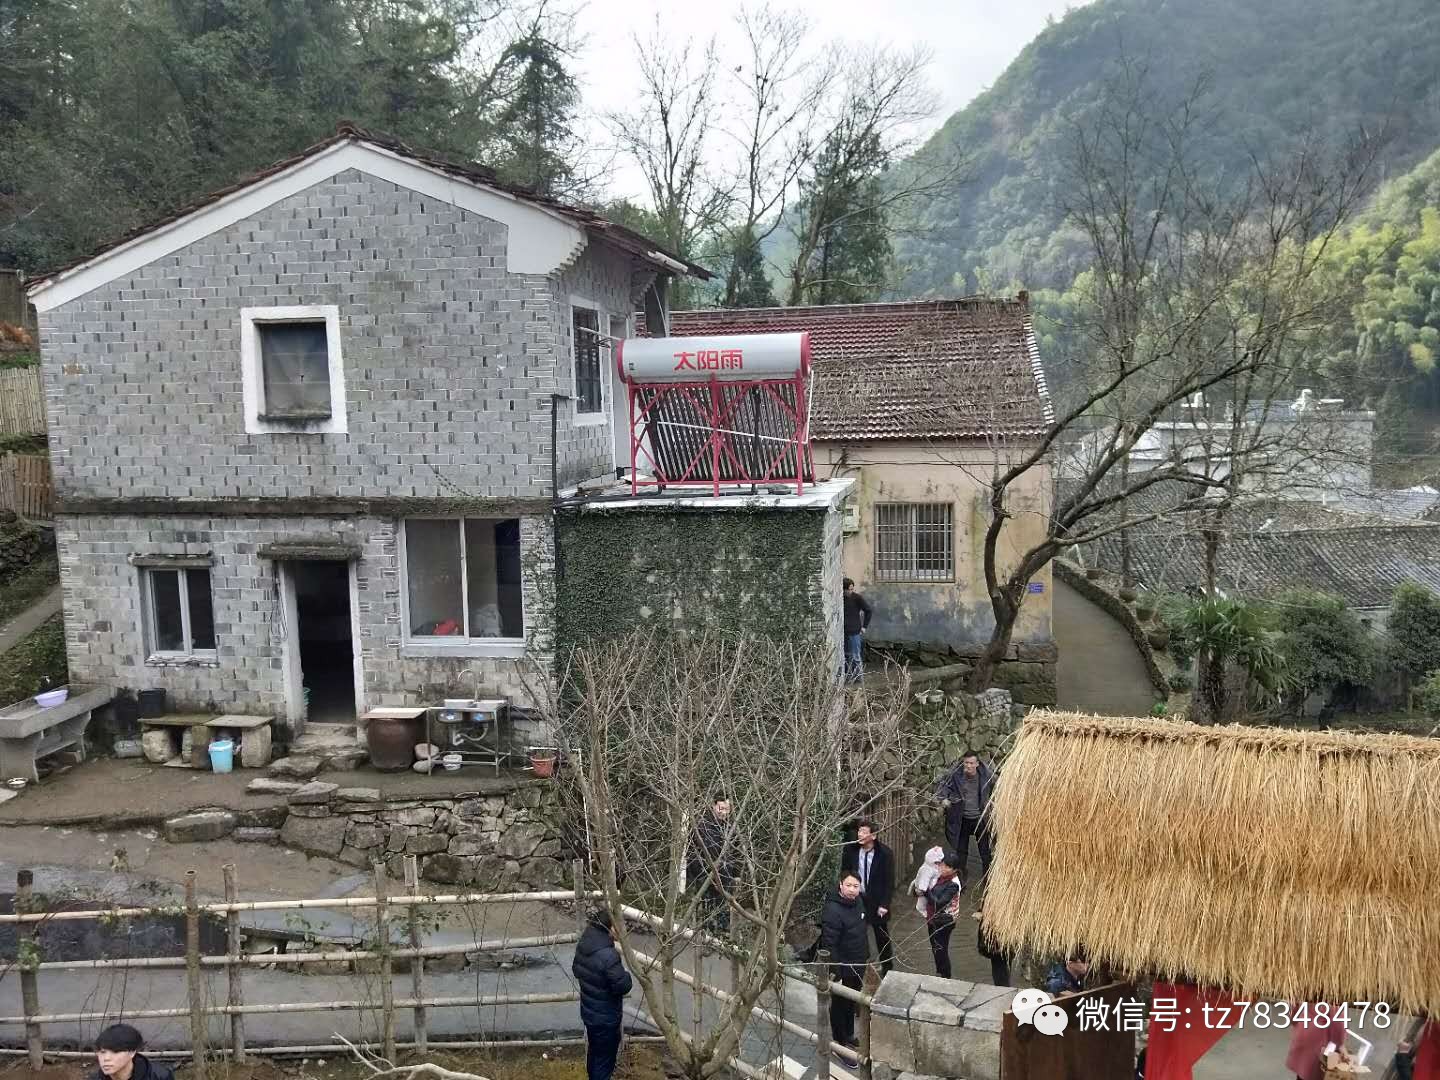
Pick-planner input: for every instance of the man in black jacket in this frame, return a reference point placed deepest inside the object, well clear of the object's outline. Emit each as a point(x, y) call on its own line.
point(118, 1057)
point(874, 864)
point(842, 931)
point(604, 982)
point(858, 613)
point(710, 863)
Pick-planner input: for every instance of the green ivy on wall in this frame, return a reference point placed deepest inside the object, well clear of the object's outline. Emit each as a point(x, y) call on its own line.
point(759, 571)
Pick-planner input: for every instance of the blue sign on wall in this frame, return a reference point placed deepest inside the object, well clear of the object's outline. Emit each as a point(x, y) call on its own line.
point(1035, 587)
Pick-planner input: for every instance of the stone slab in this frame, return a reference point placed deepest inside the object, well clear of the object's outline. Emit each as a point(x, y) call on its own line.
point(199, 827)
point(239, 721)
point(269, 785)
point(313, 793)
point(319, 836)
point(358, 794)
point(177, 720)
point(298, 766)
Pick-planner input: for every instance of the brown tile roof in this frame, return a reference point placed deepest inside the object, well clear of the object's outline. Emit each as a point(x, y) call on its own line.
point(626, 239)
point(932, 369)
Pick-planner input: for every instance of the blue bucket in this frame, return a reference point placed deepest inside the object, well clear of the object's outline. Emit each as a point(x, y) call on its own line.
point(222, 755)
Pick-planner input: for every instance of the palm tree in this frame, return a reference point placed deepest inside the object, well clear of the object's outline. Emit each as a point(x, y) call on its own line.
point(1225, 632)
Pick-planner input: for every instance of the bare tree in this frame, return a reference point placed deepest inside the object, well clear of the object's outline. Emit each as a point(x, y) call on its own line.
point(781, 97)
point(1197, 286)
point(669, 137)
point(657, 728)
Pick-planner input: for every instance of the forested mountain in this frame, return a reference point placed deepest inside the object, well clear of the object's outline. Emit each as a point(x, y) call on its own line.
point(1276, 69)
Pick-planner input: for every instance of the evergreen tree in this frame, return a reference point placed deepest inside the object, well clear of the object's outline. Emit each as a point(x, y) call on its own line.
point(753, 288)
point(845, 252)
point(534, 132)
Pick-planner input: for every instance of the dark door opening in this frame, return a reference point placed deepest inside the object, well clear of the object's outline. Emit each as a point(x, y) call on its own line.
point(325, 643)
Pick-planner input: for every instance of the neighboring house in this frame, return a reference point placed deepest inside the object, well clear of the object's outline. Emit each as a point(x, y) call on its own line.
point(302, 434)
point(1275, 546)
point(920, 402)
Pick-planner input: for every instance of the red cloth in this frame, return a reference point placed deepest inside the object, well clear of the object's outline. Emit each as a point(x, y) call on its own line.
point(1307, 1043)
point(1171, 1055)
point(1427, 1053)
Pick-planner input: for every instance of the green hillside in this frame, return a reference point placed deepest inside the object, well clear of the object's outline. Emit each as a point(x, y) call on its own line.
point(1278, 68)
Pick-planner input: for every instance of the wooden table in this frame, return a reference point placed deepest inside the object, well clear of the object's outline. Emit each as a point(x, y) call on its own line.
point(29, 733)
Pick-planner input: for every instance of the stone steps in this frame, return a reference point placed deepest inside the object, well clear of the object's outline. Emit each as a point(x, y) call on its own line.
point(332, 747)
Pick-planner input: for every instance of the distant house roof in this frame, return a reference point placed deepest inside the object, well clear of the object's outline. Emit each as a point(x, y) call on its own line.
point(470, 172)
point(932, 369)
point(1361, 564)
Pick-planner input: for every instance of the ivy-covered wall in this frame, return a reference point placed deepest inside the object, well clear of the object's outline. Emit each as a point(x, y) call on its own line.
point(762, 571)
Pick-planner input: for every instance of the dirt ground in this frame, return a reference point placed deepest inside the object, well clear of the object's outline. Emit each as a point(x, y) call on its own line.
point(638, 1062)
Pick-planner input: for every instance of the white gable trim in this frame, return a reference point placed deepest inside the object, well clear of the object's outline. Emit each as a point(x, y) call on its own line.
point(539, 241)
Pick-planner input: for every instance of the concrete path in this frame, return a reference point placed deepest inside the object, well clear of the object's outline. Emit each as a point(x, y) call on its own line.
point(29, 620)
point(1100, 669)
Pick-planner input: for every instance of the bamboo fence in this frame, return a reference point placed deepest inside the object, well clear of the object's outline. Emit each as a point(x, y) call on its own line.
point(27, 485)
point(199, 1009)
point(22, 402)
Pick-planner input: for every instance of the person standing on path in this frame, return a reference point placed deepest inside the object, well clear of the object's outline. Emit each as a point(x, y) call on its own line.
point(604, 982)
point(711, 864)
point(942, 905)
point(965, 797)
point(874, 864)
point(842, 931)
point(858, 614)
point(118, 1057)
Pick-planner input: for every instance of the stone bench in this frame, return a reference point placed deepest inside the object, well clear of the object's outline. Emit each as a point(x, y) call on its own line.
point(938, 1027)
point(254, 731)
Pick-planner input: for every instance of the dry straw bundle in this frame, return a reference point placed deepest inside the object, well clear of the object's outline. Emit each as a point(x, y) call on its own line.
point(1280, 864)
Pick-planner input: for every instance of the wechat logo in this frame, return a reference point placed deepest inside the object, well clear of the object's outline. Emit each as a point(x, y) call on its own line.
point(1039, 1008)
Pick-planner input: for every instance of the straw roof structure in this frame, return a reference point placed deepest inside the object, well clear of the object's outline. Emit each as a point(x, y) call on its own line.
point(1270, 862)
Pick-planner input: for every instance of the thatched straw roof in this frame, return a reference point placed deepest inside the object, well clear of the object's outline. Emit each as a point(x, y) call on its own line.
point(1276, 863)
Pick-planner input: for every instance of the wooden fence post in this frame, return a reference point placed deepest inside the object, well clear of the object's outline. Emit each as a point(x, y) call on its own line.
point(382, 946)
point(417, 963)
point(196, 988)
point(29, 978)
point(870, 984)
point(234, 971)
point(822, 1015)
point(577, 878)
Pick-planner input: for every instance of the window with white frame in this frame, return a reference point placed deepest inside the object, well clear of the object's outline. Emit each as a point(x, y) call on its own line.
point(293, 369)
point(179, 614)
point(914, 542)
point(463, 579)
point(589, 369)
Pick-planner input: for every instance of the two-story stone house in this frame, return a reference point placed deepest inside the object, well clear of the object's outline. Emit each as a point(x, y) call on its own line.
point(307, 432)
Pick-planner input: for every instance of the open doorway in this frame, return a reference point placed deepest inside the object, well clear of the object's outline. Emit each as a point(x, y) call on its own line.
point(324, 643)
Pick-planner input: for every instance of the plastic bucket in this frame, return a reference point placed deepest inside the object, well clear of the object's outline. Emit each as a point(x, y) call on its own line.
point(222, 755)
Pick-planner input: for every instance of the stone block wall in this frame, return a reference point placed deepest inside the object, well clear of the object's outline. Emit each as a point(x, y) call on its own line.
point(449, 359)
point(104, 619)
point(503, 839)
point(937, 1027)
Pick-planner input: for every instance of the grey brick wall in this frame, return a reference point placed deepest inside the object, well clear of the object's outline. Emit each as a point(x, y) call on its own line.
point(103, 620)
point(449, 360)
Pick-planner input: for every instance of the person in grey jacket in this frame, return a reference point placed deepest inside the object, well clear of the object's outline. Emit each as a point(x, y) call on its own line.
point(965, 797)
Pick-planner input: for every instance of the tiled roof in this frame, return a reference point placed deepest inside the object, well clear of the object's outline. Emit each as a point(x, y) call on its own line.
point(624, 238)
point(1361, 565)
point(934, 369)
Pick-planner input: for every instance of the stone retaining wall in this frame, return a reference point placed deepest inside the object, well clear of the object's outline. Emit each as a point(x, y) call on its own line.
point(502, 840)
point(505, 838)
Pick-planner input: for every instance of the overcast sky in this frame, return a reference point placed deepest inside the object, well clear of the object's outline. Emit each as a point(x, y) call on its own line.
point(972, 40)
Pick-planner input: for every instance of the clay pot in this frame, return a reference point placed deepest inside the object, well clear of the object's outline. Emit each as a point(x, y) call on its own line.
point(1093, 572)
point(1143, 613)
point(391, 743)
point(543, 765)
point(1128, 594)
point(1159, 639)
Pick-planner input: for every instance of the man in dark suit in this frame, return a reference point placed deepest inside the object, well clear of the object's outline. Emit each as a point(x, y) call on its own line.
point(874, 864)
